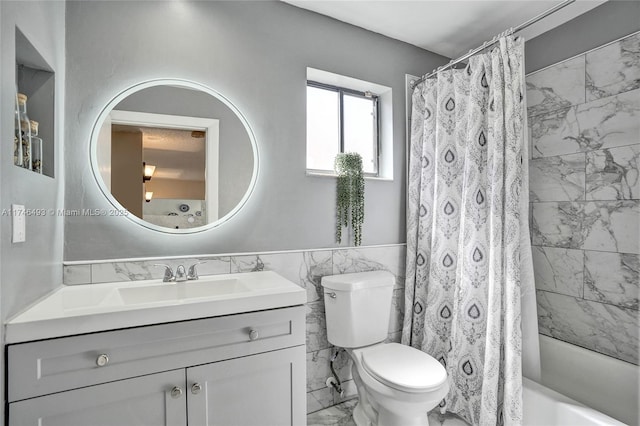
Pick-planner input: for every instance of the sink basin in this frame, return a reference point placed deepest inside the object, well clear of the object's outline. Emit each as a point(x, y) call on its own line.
point(180, 291)
point(79, 309)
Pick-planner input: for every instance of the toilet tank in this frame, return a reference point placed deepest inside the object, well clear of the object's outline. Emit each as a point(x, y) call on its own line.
point(358, 307)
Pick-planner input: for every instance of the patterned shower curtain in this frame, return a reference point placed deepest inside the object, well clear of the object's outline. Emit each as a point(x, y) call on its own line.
point(465, 226)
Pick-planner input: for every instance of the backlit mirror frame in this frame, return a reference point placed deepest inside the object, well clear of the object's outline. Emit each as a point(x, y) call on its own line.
point(95, 167)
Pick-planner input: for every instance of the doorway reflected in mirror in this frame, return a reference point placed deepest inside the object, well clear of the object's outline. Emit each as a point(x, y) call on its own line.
point(165, 148)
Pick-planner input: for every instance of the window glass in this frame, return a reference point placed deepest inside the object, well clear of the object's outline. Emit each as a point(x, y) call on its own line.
point(340, 120)
point(360, 130)
point(323, 128)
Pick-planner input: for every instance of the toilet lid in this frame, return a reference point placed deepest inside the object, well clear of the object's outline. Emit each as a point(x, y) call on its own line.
point(403, 367)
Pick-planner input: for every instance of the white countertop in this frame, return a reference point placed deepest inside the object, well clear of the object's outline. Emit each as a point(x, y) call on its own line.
point(90, 308)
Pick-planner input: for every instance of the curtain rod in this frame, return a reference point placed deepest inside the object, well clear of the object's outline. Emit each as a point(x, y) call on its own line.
point(486, 44)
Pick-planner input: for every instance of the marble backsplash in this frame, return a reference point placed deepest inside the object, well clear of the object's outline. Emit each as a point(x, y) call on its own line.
point(304, 268)
point(584, 118)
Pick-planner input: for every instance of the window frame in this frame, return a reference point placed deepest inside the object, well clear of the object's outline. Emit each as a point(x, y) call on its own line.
point(376, 122)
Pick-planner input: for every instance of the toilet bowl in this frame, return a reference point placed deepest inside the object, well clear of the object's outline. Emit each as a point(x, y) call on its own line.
point(397, 385)
point(402, 384)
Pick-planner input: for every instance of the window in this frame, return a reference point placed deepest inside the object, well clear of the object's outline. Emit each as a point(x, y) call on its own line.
point(341, 120)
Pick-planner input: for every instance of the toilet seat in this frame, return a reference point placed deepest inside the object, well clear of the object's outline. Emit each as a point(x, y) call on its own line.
point(402, 367)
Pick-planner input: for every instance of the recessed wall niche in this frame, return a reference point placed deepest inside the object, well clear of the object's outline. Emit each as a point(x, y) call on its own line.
point(36, 79)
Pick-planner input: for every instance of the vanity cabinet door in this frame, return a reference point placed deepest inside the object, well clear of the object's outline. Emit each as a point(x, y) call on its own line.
point(147, 400)
point(259, 390)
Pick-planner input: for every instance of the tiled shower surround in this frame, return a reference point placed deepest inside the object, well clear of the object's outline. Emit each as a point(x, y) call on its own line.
point(304, 268)
point(584, 118)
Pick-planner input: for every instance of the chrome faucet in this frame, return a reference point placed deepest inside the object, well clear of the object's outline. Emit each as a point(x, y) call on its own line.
point(168, 273)
point(193, 273)
point(181, 275)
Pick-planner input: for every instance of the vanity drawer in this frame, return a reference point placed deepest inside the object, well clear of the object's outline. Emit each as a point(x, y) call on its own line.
point(55, 365)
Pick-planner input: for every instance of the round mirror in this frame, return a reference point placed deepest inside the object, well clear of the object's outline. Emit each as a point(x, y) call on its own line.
point(175, 155)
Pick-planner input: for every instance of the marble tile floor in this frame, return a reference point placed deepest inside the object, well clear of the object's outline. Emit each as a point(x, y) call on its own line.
point(340, 415)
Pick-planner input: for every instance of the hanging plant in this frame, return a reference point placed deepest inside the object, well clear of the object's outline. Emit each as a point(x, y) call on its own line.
point(349, 195)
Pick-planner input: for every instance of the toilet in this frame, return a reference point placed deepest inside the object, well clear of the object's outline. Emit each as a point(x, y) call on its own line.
point(397, 384)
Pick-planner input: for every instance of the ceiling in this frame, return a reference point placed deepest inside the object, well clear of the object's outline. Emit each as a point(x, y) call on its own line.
point(450, 28)
point(176, 154)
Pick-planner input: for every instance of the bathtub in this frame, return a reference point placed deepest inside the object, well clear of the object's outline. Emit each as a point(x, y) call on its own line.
point(545, 407)
point(603, 383)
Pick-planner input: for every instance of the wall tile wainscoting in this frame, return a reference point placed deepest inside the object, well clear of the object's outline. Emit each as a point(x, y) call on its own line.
point(305, 268)
point(584, 118)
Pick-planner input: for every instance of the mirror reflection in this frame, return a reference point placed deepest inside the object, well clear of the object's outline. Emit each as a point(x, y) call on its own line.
point(175, 157)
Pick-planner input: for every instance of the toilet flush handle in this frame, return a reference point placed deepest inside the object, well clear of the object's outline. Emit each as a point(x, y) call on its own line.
point(332, 295)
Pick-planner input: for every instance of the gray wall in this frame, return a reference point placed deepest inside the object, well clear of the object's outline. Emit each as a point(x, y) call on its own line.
point(255, 54)
point(31, 269)
point(38, 261)
point(607, 22)
point(236, 156)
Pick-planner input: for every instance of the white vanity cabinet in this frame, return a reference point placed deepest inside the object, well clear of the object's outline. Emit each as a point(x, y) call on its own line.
point(244, 369)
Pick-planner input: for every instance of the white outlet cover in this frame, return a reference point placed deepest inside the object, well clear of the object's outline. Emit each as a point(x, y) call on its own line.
point(18, 214)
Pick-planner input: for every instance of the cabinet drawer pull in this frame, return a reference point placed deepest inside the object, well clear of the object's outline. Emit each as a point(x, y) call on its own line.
point(176, 392)
point(102, 360)
point(196, 388)
point(253, 334)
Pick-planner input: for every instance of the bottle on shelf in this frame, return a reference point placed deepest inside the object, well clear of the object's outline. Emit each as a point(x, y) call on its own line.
point(17, 135)
point(36, 148)
point(25, 130)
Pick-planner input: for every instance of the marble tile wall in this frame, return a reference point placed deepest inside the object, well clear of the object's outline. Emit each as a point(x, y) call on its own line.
point(305, 268)
point(584, 118)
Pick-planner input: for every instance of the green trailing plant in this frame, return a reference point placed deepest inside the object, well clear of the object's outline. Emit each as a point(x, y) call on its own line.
point(349, 195)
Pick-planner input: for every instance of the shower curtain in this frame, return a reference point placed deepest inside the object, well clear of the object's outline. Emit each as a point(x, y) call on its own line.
point(468, 252)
